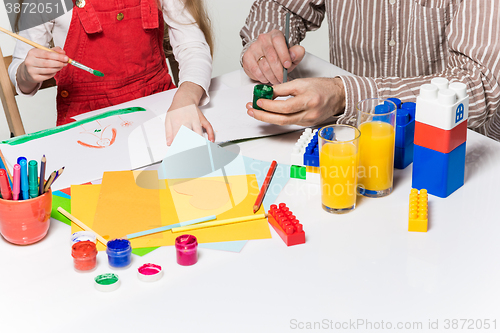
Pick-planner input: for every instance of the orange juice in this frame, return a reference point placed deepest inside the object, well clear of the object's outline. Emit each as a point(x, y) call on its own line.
point(338, 170)
point(376, 160)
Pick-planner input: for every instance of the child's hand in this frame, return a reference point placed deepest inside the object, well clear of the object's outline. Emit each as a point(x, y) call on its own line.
point(184, 111)
point(189, 116)
point(40, 65)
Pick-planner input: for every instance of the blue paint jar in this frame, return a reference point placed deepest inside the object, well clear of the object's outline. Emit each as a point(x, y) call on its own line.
point(119, 253)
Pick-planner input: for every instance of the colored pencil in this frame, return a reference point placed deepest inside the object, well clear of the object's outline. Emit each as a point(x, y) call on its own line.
point(81, 224)
point(59, 172)
point(264, 187)
point(168, 227)
point(42, 176)
point(41, 47)
point(49, 181)
point(219, 223)
point(287, 35)
point(4, 162)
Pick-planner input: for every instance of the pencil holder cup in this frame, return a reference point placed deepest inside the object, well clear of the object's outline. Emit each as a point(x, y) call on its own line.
point(25, 222)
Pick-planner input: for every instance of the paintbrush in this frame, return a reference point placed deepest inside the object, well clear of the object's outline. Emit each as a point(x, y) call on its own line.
point(287, 35)
point(38, 46)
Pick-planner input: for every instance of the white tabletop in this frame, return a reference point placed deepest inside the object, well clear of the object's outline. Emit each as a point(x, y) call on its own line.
point(355, 270)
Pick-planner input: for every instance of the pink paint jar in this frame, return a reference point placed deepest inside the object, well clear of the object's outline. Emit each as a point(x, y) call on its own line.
point(25, 222)
point(84, 255)
point(187, 250)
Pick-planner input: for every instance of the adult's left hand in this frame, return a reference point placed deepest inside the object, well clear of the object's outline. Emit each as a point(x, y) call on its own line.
point(314, 101)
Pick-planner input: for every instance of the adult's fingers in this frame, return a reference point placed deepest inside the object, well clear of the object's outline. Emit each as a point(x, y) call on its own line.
point(276, 118)
point(297, 53)
point(267, 71)
point(251, 66)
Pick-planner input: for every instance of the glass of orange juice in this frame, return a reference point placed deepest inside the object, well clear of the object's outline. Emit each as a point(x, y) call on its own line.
point(338, 162)
point(376, 121)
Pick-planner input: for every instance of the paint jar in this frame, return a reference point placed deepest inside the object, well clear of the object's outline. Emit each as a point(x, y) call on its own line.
point(107, 282)
point(119, 253)
point(149, 272)
point(187, 250)
point(25, 222)
point(84, 255)
point(81, 236)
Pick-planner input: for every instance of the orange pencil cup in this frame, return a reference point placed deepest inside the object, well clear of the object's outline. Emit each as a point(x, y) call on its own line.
point(25, 222)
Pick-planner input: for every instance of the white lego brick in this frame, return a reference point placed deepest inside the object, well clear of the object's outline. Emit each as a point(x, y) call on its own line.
point(299, 149)
point(441, 105)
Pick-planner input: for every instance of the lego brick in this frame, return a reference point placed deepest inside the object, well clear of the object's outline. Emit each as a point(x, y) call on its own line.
point(403, 156)
point(441, 174)
point(300, 147)
point(298, 172)
point(311, 154)
point(438, 139)
point(405, 125)
point(286, 225)
point(418, 215)
point(442, 105)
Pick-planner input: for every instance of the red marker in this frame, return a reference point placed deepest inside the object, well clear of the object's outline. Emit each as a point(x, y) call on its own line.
point(4, 185)
point(17, 181)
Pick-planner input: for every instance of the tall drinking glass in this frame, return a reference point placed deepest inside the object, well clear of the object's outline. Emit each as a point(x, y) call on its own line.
point(376, 121)
point(338, 161)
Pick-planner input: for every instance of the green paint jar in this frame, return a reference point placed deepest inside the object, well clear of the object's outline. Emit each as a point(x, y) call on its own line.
point(261, 91)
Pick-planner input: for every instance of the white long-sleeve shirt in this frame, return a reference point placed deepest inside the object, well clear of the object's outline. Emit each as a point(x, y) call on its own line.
point(188, 43)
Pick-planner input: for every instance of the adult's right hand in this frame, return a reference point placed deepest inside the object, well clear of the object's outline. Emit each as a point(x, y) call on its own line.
point(268, 55)
point(40, 65)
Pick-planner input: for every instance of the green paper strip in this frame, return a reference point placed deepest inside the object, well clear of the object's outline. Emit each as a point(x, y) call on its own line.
point(143, 251)
point(43, 133)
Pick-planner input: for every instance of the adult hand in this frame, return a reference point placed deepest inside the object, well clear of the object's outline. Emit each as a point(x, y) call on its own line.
point(314, 101)
point(40, 65)
point(184, 111)
point(268, 55)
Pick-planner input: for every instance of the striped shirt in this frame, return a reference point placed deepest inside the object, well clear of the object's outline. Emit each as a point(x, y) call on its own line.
point(394, 46)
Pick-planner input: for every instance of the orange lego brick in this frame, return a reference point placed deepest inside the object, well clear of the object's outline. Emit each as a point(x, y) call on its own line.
point(417, 217)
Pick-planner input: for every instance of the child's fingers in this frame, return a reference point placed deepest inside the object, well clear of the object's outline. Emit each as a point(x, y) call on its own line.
point(42, 54)
point(208, 128)
point(59, 50)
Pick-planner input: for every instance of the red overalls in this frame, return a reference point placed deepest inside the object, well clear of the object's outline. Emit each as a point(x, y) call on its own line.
point(122, 39)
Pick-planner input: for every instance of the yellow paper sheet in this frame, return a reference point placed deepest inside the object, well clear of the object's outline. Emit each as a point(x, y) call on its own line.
point(124, 207)
point(244, 191)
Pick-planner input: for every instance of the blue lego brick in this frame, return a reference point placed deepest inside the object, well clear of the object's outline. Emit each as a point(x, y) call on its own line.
point(311, 155)
point(403, 156)
point(441, 174)
point(396, 101)
point(405, 125)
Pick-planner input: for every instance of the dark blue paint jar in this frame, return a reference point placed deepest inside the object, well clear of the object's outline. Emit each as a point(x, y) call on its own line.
point(119, 253)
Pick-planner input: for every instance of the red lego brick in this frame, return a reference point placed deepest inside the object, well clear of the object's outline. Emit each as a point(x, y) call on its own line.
point(443, 141)
point(286, 225)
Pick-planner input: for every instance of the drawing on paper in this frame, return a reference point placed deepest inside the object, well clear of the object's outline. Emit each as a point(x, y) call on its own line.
point(100, 137)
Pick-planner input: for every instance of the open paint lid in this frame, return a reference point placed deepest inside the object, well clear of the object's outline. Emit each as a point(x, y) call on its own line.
point(149, 272)
point(107, 282)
